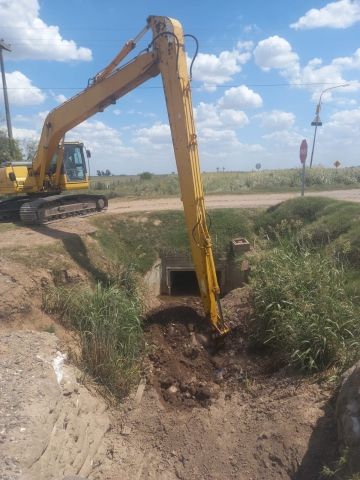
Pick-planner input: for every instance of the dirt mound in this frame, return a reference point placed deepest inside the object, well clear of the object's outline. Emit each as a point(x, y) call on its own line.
point(180, 368)
point(182, 363)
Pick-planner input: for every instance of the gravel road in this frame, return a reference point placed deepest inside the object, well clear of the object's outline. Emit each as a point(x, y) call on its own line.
point(225, 201)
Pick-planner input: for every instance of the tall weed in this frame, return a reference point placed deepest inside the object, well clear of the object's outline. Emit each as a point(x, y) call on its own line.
point(300, 309)
point(108, 322)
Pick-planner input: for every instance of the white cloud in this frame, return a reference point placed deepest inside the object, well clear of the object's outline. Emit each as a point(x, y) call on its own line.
point(157, 136)
point(33, 38)
point(340, 14)
point(213, 70)
point(317, 77)
point(221, 148)
point(345, 101)
point(208, 116)
point(276, 120)
point(60, 98)
point(36, 120)
point(348, 62)
point(24, 133)
point(347, 117)
point(20, 90)
point(233, 118)
point(274, 52)
point(285, 138)
point(239, 97)
point(248, 45)
point(249, 28)
point(335, 141)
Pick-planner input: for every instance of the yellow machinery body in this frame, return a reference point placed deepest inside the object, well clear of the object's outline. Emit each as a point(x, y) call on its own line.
point(18, 177)
point(166, 56)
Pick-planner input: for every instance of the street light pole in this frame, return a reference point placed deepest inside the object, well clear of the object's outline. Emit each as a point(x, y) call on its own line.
point(317, 120)
point(5, 46)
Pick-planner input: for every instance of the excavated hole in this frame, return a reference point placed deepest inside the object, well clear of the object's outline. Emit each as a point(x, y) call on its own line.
point(181, 364)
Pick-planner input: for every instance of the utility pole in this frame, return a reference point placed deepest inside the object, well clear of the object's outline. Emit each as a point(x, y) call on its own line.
point(317, 122)
point(5, 46)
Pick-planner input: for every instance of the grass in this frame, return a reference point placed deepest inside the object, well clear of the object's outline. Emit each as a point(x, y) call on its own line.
point(267, 181)
point(122, 238)
point(301, 310)
point(108, 321)
point(343, 468)
point(305, 283)
point(50, 328)
point(331, 225)
point(5, 227)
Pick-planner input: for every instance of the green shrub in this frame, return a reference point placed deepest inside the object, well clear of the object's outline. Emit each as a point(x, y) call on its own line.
point(300, 309)
point(107, 320)
point(146, 176)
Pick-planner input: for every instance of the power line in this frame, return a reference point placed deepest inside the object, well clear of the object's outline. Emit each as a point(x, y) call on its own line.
point(207, 86)
point(340, 108)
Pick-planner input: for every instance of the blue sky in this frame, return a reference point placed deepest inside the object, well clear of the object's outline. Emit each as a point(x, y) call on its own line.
point(256, 81)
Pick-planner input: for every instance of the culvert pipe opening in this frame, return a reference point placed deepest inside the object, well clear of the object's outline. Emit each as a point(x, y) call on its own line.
point(184, 283)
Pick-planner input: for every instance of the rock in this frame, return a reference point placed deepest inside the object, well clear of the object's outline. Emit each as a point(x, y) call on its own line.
point(73, 276)
point(126, 430)
point(347, 412)
point(172, 389)
point(202, 339)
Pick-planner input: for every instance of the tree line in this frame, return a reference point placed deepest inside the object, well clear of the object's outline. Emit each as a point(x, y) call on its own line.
point(10, 149)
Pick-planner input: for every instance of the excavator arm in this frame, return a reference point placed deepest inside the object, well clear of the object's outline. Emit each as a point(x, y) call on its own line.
point(169, 42)
point(165, 55)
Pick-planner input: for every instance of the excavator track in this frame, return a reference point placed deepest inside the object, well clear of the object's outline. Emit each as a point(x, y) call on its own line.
point(50, 209)
point(10, 209)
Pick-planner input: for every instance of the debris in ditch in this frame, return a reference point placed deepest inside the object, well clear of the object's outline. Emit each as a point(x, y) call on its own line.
point(179, 361)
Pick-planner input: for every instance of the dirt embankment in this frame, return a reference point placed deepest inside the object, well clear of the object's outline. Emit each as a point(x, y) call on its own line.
point(200, 416)
point(45, 235)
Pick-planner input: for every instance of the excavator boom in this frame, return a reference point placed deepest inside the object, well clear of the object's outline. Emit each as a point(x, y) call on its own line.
point(166, 56)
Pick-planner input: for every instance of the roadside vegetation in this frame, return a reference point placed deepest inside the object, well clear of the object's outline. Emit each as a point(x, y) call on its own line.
point(267, 181)
point(107, 319)
point(305, 283)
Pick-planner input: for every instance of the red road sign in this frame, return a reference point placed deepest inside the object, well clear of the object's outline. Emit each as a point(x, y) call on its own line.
point(303, 151)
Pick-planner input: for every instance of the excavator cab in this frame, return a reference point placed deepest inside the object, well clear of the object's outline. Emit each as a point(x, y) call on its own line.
point(73, 163)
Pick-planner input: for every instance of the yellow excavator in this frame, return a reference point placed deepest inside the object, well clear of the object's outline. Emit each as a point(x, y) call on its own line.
point(60, 166)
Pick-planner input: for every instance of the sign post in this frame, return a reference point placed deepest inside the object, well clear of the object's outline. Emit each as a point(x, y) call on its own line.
point(303, 155)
